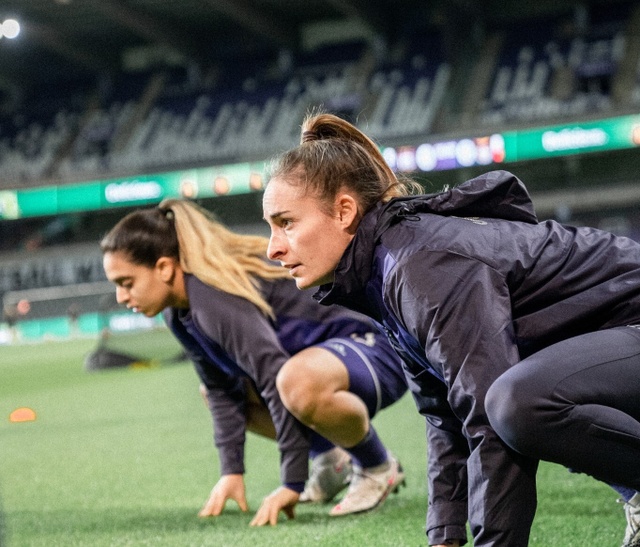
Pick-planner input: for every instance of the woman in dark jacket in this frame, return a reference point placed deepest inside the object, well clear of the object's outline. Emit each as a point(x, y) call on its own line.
point(259, 344)
point(530, 329)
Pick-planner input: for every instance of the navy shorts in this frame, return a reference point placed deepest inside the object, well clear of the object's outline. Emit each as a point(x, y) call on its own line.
point(375, 370)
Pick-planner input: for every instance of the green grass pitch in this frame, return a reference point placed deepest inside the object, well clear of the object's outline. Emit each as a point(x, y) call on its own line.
point(125, 457)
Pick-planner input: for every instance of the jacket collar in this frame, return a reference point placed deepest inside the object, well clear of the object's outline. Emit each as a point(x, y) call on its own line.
point(496, 194)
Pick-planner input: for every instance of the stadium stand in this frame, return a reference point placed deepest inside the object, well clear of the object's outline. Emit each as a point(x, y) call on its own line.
point(514, 72)
point(31, 138)
point(557, 68)
point(538, 70)
point(155, 120)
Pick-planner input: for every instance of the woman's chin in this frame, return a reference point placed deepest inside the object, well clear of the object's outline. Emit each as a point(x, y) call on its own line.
point(304, 282)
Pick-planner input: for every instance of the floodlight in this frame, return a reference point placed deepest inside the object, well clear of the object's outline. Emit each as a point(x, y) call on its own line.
point(10, 28)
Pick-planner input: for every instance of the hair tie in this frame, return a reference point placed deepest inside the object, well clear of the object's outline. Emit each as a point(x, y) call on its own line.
point(308, 136)
point(168, 213)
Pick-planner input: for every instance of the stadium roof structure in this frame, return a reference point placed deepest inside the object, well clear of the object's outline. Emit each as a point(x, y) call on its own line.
point(75, 39)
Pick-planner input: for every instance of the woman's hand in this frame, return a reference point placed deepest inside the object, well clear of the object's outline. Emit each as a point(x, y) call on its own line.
point(228, 487)
point(282, 499)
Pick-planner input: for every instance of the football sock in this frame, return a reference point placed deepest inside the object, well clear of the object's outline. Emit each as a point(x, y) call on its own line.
point(319, 445)
point(369, 452)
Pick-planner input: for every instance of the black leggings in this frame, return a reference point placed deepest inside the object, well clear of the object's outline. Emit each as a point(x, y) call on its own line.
point(576, 403)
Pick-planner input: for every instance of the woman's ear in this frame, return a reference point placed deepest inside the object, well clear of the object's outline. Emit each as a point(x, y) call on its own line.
point(166, 268)
point(347, 210)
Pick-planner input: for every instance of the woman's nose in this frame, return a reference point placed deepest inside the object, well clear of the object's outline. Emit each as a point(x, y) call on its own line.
point(121, 295)
point(274, 249)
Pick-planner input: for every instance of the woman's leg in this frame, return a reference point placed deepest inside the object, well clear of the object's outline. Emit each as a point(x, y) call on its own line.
point(576, 403)
point(333, 389)
point(314, 386)
point(258, 417)
point(336, 387)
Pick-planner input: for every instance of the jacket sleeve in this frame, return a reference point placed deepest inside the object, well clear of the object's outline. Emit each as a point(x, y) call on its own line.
point(459, 310)
point(226, 399)
point(447, 456)
point(447, 481)
point(250, 340)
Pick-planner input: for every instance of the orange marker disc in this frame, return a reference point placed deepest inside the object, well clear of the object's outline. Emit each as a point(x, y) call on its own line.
point(23, 414)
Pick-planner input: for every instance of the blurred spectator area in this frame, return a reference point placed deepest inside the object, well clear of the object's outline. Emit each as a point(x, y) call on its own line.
point(429, 83)
point(583, 62)
point(578, 64)
point(176, 117)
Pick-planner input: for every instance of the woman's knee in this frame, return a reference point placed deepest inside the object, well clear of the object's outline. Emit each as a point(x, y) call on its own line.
point(309, 381)
point(295, 384)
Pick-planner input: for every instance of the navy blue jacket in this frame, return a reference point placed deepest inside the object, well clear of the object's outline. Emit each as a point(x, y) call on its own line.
point(230, 341)
point(467, 282)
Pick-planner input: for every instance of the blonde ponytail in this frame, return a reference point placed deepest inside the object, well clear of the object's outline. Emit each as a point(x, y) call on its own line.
point(219, 257)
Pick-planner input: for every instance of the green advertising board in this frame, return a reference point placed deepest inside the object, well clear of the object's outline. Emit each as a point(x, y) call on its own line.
point(204, 182)
point(575, 138)
point(241, 178)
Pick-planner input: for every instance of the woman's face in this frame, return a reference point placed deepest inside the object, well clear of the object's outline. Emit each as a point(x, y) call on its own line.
point(307, 237)
point(141, 288)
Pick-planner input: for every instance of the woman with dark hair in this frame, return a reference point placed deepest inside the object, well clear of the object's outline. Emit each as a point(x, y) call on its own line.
point(530, 329)
point(270, 360)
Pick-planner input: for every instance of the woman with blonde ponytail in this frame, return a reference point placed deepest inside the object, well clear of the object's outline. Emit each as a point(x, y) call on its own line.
point(258, 344)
